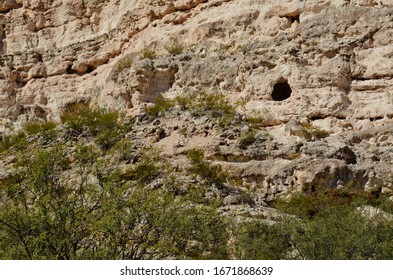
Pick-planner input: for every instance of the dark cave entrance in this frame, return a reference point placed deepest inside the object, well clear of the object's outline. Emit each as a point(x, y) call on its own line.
point(281, 91)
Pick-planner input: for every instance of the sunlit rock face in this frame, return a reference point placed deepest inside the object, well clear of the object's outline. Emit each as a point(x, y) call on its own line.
point(303, 64)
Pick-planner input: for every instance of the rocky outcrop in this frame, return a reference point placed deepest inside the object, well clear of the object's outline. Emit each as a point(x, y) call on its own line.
point(317, 73)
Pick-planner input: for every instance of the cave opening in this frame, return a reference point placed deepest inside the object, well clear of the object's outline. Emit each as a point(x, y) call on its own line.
point(281, 91)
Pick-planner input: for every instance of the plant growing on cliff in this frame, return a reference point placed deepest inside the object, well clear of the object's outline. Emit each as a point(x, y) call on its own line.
point(222, 52)
point(312, 132)
point(161, 104)
point(247, 138)
point(123, 64)
point(148, 53)
point(35, 127)
point(213, 174)
point(16, 140)
point(259, 118)
point(47, 130)
point(175, 46)
point(99, 123)
point(214, 105)
point(184, 101)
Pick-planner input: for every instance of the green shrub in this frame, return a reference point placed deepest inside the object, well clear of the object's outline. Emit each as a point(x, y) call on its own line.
point(107, 137)
point(17, 141)
point(79, 117)
point(184, 101)
point(86, 155)
point(247, 138)
point(72, 113)
point(307, 205)
point(48, 212)
point(329, 224)
point(35, 127)
point(256, 240)
point(161, 104)
point(214, 105)
point(46, 129)
point(258, 119)
point(5, 143)
point(126, 150)
point(160, 222)
point(175, 47)
point(98, 123)
point(123, 64)
point(147, 167)
point(312, 132)
point(148, 53)
point(342, 233)
point(325, 224)
point(213, 174)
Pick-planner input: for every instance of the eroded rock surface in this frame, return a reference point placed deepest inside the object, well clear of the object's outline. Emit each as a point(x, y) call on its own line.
point(304, 66)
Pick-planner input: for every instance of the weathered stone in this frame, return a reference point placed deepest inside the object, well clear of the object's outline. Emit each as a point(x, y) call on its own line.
point(295, 66)
point(7, 5)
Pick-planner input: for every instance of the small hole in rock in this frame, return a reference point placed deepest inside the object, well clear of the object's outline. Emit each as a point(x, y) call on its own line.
point(90, 69)
point(70, 70)
point(281, 91)
point(294, 18)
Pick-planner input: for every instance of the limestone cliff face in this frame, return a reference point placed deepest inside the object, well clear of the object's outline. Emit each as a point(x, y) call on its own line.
point(319, 63)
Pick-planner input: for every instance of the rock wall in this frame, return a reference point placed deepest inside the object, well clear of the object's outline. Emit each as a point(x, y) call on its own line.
point(324, 63)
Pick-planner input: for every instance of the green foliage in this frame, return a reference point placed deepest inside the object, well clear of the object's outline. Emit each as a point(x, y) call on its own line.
point(259, 118)
point(343, 233)
point(35, 127)
point(213, 174)
point(214, 105)
point(247, 138)
point(256, 239)
point(126, 150)
point(324, 225)
point(123, 64)
point(148, 53)
point(33, 201)
point(60, 206)
point(307, 206)
point(161, 104)
point(85, 155)
point(17, 141)
point(108, 136)
point(45, 129)
point(312, 132)
point(71, 115)
point(146, 168)
point(20, 140)
point(175, 47)
point(98, 123)
point(154, 224)
point(184, 101)
point(222, 52)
